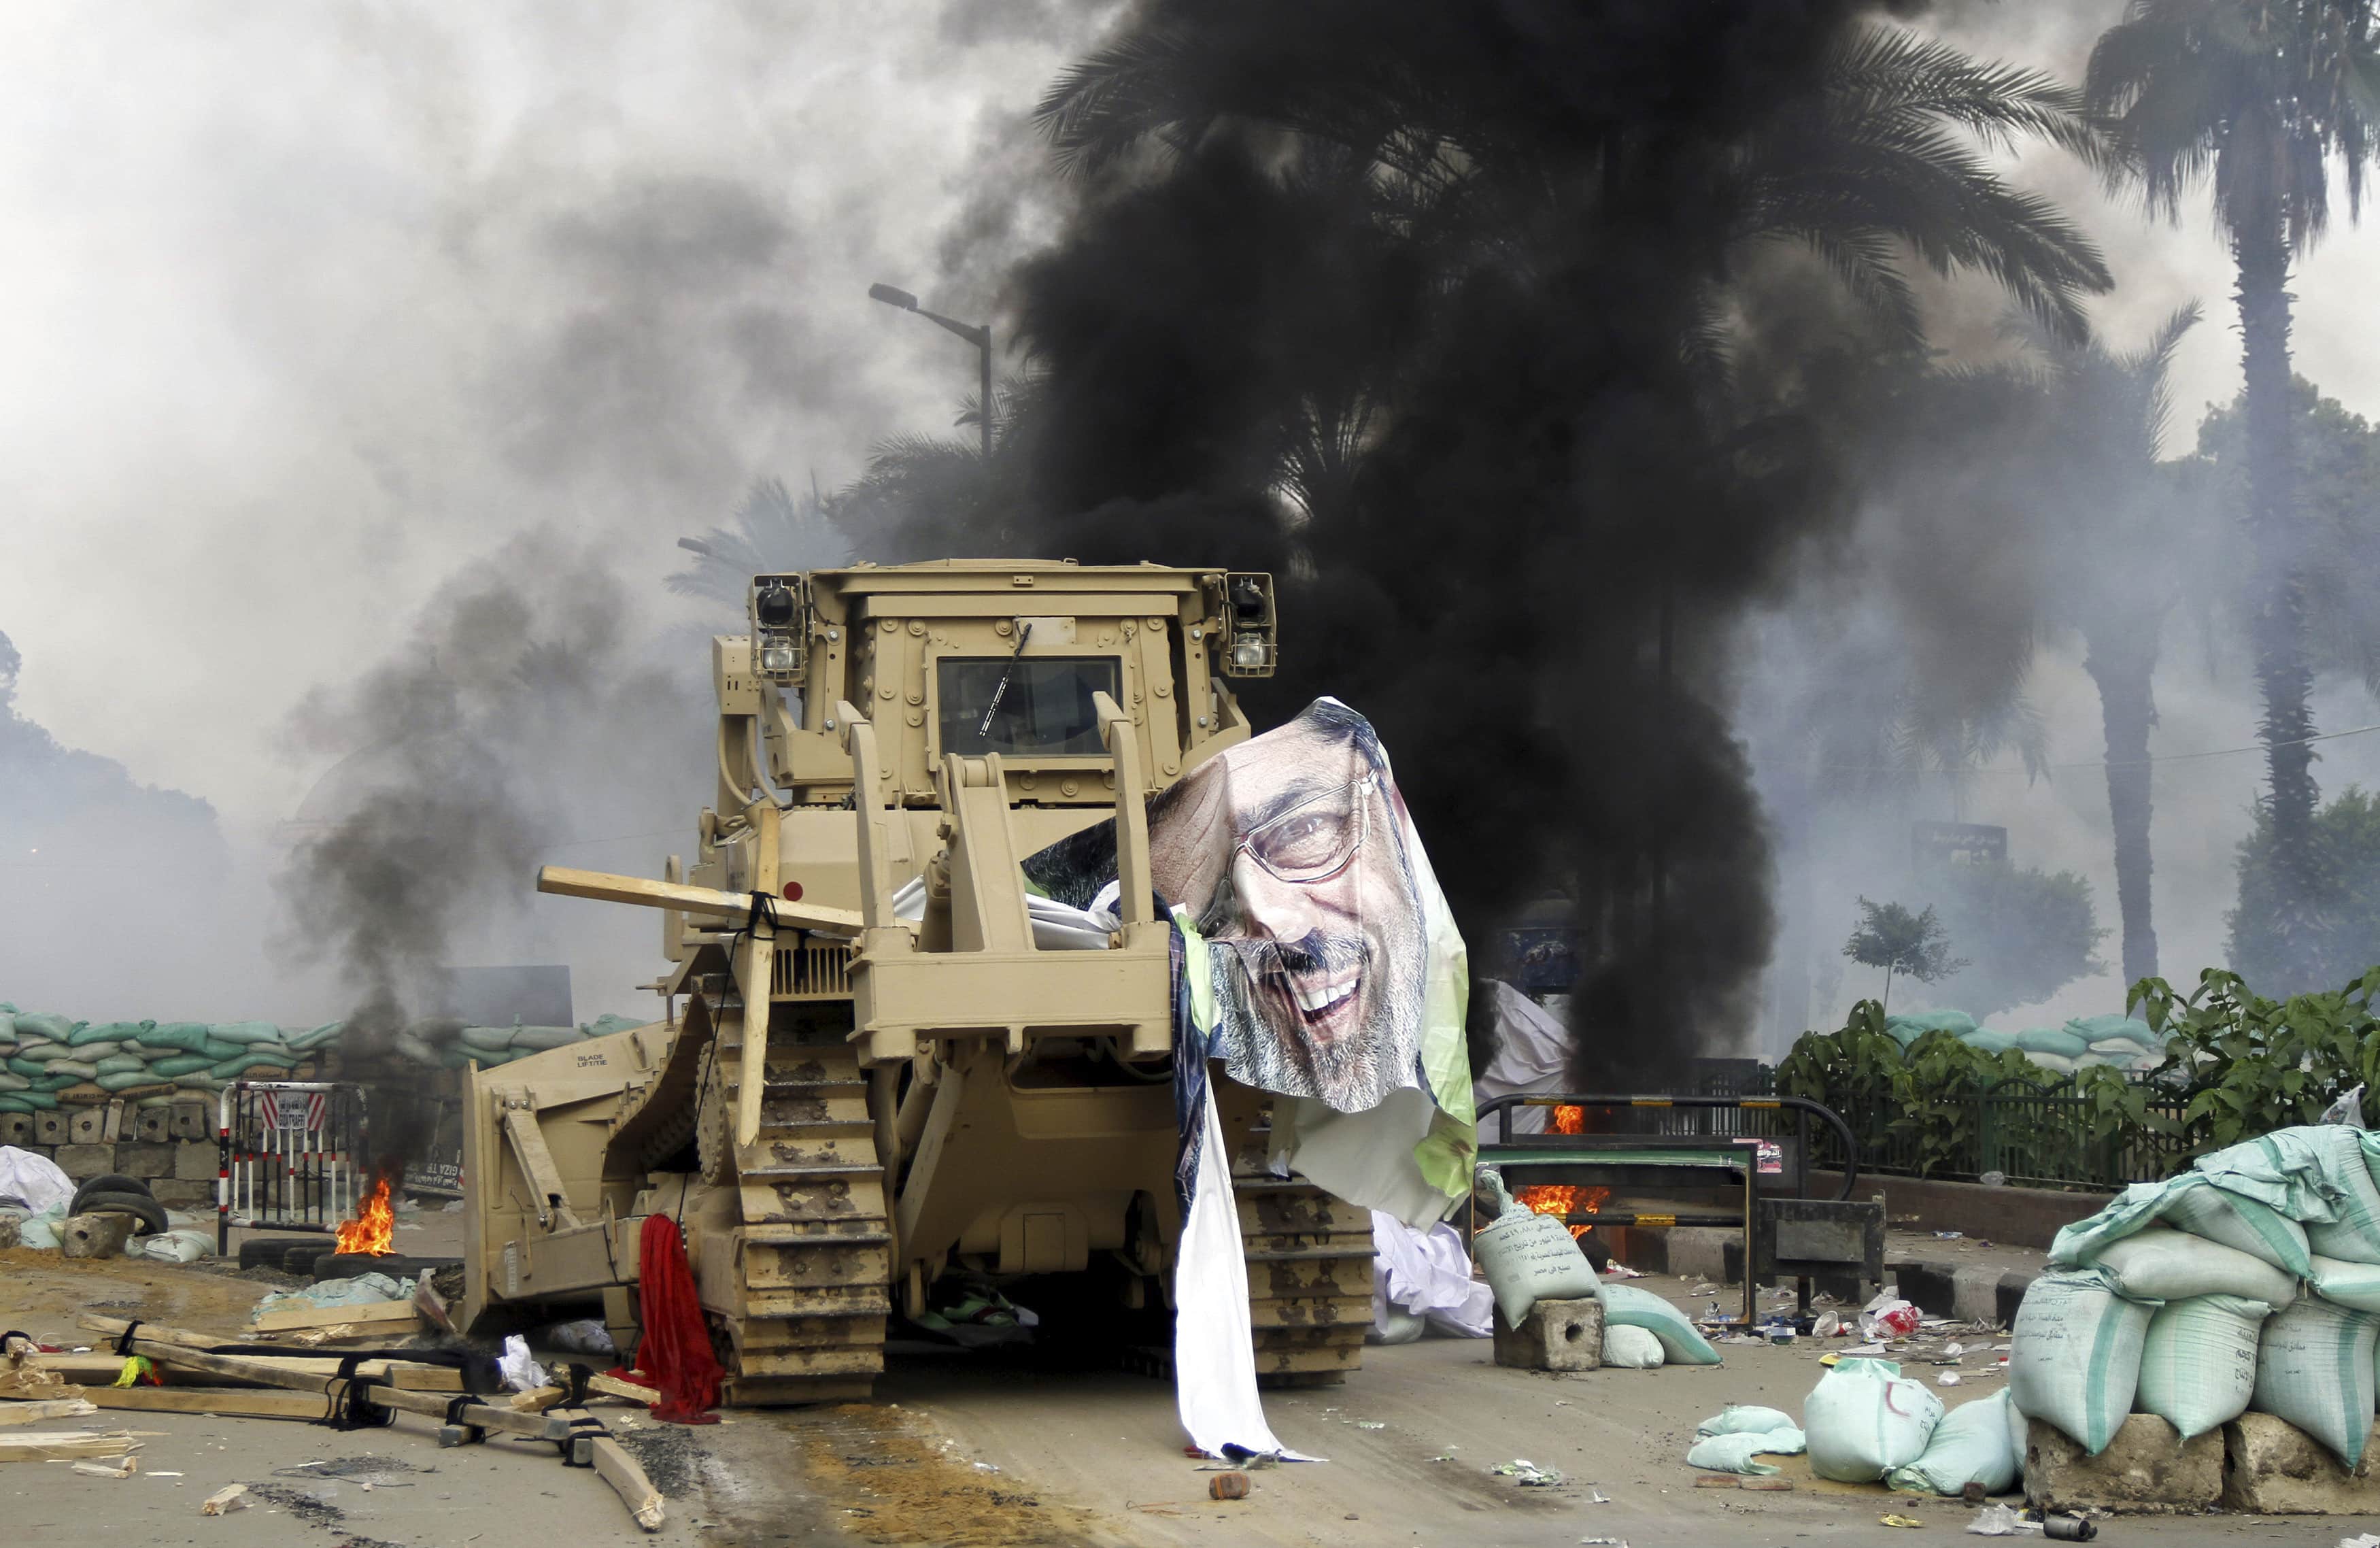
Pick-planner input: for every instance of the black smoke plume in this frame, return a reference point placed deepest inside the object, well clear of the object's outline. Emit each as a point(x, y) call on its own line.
point(1430, 310)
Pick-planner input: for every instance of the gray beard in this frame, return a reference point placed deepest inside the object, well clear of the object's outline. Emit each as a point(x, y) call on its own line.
point(1351, 1074)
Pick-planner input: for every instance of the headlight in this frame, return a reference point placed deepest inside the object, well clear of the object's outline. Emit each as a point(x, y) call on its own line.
point(1248, 655)
point(779, 658)
point(773, 606)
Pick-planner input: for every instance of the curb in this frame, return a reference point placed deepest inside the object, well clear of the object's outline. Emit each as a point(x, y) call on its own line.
point(1962, 1290)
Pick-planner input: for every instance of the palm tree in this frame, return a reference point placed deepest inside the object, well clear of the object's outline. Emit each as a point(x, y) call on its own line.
point(770, 530)
point(2260, 100)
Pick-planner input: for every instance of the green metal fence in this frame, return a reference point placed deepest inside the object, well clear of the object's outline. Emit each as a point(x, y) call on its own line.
point(2028, 1135)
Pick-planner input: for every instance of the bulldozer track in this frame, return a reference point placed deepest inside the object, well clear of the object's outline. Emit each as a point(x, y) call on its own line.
point(1309, 1257)
point(802, 1317)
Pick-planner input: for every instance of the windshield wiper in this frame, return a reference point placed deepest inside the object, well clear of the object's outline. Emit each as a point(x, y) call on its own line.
point(1001, 691)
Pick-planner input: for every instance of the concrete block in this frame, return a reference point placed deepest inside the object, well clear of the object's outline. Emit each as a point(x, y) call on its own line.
point(16, 1128)
point(2272, 1467)
point(178, 1195)
point(87, 1125)
point(94, 1236)
point(145, 1162)
point(1555, 1335)
point(83, 1163)
point(196, 1162)
point(191, 1119)
point(2148, 1469)
point(152, 1126)
point(50, 1128)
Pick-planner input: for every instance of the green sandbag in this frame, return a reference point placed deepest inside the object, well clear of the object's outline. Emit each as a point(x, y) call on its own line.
point(12, 1082)
point(487, 1038)
point(2102, 1028)
point(119, 1064)
point(197, 1080)
point(106, 1031)
point(190, 1036)
point(1983, 1039)
point(1626, 1306)
point(2057, 1041)
point(92, 1052)
point(178, 1064)
point(219, 1052)
point(459, 1058)
point(57, 1082)
point(233, 1068)
point(80, 1069)
point(139, 1082)
point(244, 1031)
point(57, 1029)
point(538, 1039)
point(313, 1038)
point(611, 1022)
point(27, 1068)
point(162, 1099)
point(11, 1102)
point(32, 1102)
point(1906, 1030)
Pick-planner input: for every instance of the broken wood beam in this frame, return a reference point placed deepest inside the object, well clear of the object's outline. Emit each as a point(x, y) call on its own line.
point(616, 1468)
point(63, 1446)
point(375, 1314)
point(38, 1410)
point(226, 1403)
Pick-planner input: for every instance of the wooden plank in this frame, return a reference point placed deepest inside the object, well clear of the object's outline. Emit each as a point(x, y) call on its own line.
point(605, 887)
point(103, 1369)
point(379, 1314)
point(228, 1403)
point(63, 1446)
point(616, 1468)
point(613, 1386)
point(33, 1412)
point(269, 1370)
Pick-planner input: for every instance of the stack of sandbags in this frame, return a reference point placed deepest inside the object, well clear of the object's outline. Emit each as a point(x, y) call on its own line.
point(2082, 1042)
point(47, 1060)
point(2251, 1282)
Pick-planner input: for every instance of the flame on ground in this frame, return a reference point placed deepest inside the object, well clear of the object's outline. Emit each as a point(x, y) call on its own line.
point(1570, 1120)
point(1563, 1199)
point(374, 1228)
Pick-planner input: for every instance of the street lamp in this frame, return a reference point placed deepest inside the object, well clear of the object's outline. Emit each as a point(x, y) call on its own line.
point(980, 337)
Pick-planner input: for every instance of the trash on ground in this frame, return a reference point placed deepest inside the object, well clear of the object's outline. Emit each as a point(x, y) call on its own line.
point(122, 1468)
point(1728, 1441)
point(1228, 1486)
point(1947, 1378)
point(519, 1371)
point(1998, 1520)
point(1527, 1473)
point(1899, 1521)
point(363, 1289)
point(1888, 1316)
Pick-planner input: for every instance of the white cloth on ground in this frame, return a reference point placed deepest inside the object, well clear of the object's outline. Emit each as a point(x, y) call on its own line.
point(34, 1180)
point(1427, 1272)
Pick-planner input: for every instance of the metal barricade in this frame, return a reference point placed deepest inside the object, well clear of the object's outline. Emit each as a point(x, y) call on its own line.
point(290, 1155)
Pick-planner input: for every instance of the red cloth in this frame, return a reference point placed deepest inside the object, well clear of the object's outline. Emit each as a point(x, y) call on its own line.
point(673, 1352)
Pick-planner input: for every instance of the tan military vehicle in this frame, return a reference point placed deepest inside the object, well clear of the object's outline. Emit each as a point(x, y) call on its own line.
point(881, 1066)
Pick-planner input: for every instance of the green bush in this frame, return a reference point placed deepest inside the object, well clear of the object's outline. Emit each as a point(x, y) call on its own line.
point(2245, 1065)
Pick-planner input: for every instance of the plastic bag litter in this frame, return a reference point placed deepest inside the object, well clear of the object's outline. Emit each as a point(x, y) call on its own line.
point(2076, 1355)
point(1889, 1316)
point(584, 1336)
point(2313, 1369)
point(1971, 1446)
point(2346, 1110)
point(33, 1180)
point(520, 1373)
point(1998, 1520)
point(1626, 1306)
point(1863, 1420)
point(2198, 1364)
point(2161, 1263)
point(1630, 1348)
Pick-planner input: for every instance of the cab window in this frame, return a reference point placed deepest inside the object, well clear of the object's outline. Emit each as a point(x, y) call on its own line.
point(1023, 704)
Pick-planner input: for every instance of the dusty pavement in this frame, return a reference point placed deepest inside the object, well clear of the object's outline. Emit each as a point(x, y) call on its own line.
point(976, 1454)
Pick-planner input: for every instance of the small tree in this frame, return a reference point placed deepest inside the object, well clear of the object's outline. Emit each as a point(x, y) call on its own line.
point(1892, 938)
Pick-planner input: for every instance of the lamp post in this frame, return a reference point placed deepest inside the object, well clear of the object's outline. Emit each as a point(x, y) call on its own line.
point(977, 335)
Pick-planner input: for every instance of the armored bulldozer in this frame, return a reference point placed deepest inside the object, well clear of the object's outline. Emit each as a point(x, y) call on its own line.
point(884, 1060)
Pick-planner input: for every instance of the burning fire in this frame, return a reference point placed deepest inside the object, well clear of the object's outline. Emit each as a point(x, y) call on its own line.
point(1564, 1198)
point(374, 1228)
point(1570, 1120)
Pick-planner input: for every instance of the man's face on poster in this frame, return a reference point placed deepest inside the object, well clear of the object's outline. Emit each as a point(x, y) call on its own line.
point(1289, 851)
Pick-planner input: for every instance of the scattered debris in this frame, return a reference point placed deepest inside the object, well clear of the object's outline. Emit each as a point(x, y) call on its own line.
point(1370, 1424)
point(1899, 1521)
point(1228, 1486)
point(38, 1410)
point(125, 1467)
point(230, 1498)
point(64, 1445)
point(1527, 1473)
